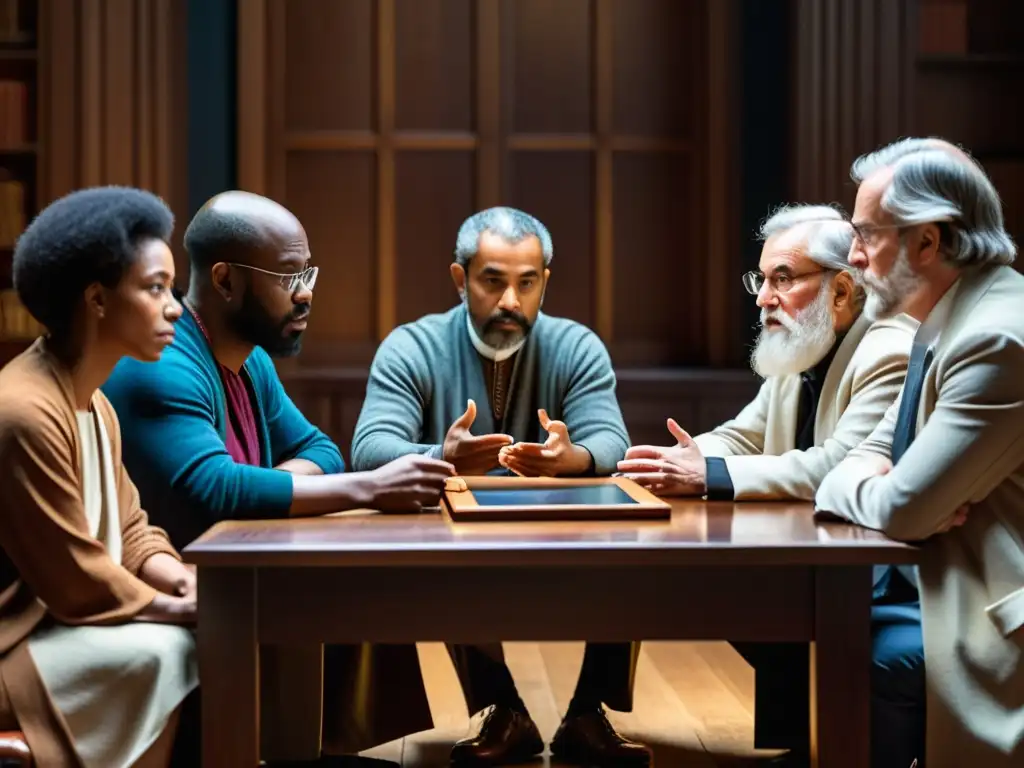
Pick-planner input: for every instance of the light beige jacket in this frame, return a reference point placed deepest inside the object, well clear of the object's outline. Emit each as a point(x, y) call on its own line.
point(969, 448)
point(759, 445)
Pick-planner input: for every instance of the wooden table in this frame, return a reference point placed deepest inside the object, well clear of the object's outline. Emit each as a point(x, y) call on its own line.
point(716, 571)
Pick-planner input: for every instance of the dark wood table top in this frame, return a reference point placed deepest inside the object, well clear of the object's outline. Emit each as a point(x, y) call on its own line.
point(699, 533)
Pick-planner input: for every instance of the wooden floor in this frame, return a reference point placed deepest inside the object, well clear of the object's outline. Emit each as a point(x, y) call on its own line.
point(693, 703)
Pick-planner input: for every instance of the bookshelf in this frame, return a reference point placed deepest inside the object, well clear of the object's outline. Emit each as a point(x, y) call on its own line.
point(19, 157)
point(967, 70)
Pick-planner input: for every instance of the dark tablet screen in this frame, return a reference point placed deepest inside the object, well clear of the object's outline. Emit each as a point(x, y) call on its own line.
point(591, 495)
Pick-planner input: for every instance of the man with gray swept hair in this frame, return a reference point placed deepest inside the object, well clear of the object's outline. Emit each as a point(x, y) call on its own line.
point(945, 467)
point(496, 386)
point(829, 373)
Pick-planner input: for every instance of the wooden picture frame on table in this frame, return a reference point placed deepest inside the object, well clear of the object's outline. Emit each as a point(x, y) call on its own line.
point(461, 503)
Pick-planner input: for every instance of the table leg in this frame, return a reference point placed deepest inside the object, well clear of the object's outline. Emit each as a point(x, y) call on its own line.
point(841, 668)
point(228, 667)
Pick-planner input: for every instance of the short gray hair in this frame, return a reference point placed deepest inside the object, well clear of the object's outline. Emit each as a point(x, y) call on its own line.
point(934, 181)
point(511, 225)
point(827, 233)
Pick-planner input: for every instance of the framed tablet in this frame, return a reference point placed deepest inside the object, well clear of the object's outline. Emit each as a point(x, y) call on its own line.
point(486, 498)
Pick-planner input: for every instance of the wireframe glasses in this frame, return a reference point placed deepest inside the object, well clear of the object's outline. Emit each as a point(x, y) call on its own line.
point(290, 281)
point(780, 283)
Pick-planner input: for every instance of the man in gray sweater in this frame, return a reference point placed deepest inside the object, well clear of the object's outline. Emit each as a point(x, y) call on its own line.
point(494, 386)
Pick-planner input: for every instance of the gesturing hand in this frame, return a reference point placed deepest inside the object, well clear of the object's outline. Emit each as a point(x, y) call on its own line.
point(678, 470)
point(555, 456)
point(471, 454)
point(408, 484)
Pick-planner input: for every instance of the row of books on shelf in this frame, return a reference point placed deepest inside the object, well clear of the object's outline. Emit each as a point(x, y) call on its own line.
point(15, 321)
point(13, 113)
point(12, 212)
point(12, 25)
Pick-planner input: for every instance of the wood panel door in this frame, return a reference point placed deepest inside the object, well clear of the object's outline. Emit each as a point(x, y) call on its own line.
point(383, 124)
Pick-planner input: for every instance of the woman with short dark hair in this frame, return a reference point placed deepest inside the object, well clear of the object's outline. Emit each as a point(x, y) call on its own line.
point(96, 658)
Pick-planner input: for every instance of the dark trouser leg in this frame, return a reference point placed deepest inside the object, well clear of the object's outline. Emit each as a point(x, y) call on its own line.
point(606, 677)
point(484, 676)
point(897, 686)
point(586, 737)
point(372, 694)
point(781, 686)
point(188, 744)
point(781, 694)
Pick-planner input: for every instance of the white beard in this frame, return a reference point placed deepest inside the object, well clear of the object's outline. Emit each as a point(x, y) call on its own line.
point(886, 294)
point(800, 344)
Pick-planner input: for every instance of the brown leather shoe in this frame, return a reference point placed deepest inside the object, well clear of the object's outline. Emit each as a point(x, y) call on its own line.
point(589, 739)
point(506, 736)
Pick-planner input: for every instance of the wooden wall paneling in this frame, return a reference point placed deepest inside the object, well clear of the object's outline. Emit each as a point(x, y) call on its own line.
point(971, 106)
point(284, 94)
point(719, 171)
point(658, 311)
point(333, 192)
point(91, 67)
point(436, 184)
point(434, 49)
point(604, 188)
point(558, 187)
point(385, 166)
point(850, 53)
point(144, 67)
point(169, 109)
point(550, 159)
point(552, 60)
point(660, 195)
point(323, 161)
point(58, 107)
point(426, 223)
point(253, 67)
point(114, 101)
point(120, 94)
point(488, 80)
point(597, 87)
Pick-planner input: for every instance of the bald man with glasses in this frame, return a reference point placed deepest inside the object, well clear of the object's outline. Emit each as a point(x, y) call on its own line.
point(829, 375)
point(210, 434)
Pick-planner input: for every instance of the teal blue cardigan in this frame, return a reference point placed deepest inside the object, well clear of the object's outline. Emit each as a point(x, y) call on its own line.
point(173, 431)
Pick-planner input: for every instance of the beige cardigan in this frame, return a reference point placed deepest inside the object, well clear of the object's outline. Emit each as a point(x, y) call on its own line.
point(51, 569)
point(969, 449)
point(864, 379)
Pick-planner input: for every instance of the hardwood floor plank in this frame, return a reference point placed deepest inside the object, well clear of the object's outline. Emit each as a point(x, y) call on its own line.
point(723, 724)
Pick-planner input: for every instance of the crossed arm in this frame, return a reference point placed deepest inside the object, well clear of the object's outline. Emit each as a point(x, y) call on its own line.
point(972, 441)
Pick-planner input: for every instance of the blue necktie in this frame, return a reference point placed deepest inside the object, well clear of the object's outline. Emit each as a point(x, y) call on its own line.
point(903, 435)
point(906, 421)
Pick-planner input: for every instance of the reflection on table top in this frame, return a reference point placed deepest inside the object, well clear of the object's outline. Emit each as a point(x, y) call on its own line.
point(699, 533)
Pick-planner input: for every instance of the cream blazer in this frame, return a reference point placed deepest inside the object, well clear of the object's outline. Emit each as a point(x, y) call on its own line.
point(864, 379)
point(969, 448)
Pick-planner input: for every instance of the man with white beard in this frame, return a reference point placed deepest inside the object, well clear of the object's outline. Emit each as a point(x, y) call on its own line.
point(830, 373)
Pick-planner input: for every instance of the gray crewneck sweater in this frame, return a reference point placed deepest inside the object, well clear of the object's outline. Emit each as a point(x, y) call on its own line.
point(424, 373)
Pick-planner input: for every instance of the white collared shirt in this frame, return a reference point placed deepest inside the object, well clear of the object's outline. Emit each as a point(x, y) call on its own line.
point(930, 330)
